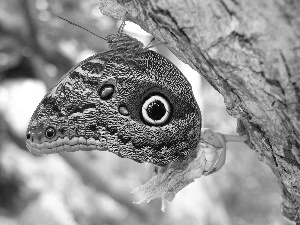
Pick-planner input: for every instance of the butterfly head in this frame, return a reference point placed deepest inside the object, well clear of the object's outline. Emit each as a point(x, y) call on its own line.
point(121, 43)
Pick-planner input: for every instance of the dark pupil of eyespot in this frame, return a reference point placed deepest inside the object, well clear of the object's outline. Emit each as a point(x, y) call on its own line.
point(156, 110)
point(28, 136)
point(50, 132)
point(106, 91)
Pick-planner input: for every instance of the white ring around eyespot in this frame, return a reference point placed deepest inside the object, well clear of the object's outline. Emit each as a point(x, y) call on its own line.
point(148, 102)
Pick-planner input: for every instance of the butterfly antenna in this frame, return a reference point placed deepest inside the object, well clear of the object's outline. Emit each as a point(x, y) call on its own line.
point(74, 24)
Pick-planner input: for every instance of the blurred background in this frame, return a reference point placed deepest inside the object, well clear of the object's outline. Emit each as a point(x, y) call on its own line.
point(93, 188)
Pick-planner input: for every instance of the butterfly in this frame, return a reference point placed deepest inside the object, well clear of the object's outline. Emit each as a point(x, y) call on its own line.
point(128, 100)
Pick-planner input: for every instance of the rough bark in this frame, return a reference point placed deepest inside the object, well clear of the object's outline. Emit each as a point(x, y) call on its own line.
point(249, 51)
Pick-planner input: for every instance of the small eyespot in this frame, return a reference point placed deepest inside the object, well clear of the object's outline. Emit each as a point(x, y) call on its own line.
point(123, 110)
point(50, 132)
point(28, 135)
point(106, 91)
point(156, 110)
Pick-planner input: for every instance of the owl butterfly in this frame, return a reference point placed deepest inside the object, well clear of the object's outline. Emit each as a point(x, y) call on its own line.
point(128, 100)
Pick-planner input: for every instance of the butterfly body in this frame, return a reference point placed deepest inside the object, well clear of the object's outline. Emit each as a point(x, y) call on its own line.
point(128, 100)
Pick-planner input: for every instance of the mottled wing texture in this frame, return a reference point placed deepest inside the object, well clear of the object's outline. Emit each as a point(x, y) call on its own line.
point(74, 115)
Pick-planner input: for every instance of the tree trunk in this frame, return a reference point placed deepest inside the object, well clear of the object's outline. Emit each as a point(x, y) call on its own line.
point(249, 51)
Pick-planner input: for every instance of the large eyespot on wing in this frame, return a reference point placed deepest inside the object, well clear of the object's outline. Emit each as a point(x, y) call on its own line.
point(156, 110)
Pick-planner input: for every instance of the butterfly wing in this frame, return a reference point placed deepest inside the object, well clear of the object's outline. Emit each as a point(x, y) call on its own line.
point(141, 108)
